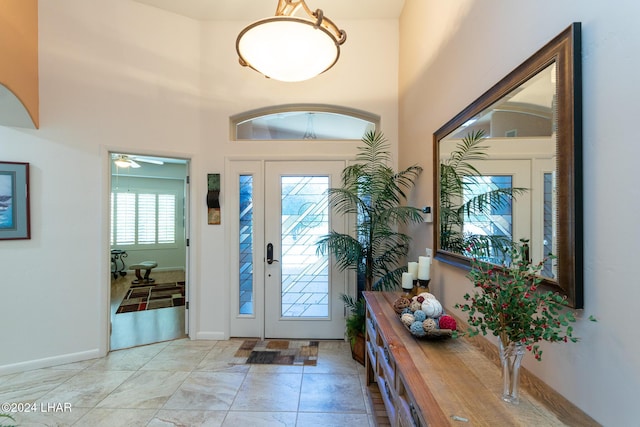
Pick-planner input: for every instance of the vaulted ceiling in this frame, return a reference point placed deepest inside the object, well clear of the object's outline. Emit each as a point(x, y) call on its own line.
point(251, 10)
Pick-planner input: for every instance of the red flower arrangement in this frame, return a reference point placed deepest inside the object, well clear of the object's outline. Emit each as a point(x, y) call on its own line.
point(507, 302)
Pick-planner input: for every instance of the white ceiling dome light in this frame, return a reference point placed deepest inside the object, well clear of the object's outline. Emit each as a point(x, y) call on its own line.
point(289, 48)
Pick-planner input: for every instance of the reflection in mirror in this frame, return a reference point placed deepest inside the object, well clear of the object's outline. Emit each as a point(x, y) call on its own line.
point(507, 170)
point(502, 158)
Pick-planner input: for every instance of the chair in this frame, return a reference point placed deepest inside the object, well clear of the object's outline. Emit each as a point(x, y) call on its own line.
point(144, 265)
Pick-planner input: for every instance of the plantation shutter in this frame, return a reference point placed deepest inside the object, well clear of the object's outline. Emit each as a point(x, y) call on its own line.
point(166, 218)
point(143, 219)
point(146, 219)
point(125, 227)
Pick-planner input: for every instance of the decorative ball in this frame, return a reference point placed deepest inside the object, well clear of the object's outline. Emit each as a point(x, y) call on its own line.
point(401, 303)
point(417, 329)
point(420, 298)
point(407, 319)
point(419, 315)
point(427, 295)
point(447, 322)
point(415, 306)
point(429, 324)
point(406, 310)
point(432, 307)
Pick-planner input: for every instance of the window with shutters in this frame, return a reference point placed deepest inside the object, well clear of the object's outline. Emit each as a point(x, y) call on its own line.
point(143, 219)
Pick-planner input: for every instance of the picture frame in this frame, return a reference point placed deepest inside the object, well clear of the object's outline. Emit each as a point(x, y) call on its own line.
point(14, 201)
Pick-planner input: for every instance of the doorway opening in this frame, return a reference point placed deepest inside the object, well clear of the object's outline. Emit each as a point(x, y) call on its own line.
point(148, 233)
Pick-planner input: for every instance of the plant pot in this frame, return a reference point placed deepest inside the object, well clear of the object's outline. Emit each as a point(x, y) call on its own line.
point(357, 348)
point(511, 358)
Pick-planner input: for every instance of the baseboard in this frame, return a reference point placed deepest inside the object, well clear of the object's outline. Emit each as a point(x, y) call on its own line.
point(211, 336)
point(50, 361)
point(163, 269)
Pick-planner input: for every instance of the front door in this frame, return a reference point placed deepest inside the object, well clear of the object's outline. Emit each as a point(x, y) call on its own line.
point(285, 289)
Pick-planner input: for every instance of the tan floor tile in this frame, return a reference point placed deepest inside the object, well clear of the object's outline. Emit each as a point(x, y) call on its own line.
point(196, 383)
point(269, 392)
point(173, 418)
point(331, 393)
point(103, 417)
point(145, 390)
point(87, 388)
point(260, 419)
point(29, 386)
point(206, 391)
point(328, 419)
point(57, 419)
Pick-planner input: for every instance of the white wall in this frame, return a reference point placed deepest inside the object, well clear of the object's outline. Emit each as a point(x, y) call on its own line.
point(112, 75)
point(122, 76)
point(451, 52)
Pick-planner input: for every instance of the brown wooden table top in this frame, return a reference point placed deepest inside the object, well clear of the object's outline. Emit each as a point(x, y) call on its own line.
point(458, 378)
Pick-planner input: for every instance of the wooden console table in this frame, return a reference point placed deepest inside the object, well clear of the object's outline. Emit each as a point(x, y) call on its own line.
point(444, 382)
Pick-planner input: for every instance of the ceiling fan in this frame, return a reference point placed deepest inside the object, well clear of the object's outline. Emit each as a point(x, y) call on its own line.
point(127, 161)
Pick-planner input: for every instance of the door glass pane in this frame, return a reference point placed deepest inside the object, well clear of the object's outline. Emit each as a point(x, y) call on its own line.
point(548, 269)
point(304, 124)
point(496, 220)
point(246, 244)
point(305, 217)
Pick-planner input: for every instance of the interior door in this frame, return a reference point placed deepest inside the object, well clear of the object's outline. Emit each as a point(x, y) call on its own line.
point(301, 288)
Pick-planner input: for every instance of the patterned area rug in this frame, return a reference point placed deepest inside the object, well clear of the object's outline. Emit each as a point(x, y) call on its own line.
point(151, 296)
point(279, 352)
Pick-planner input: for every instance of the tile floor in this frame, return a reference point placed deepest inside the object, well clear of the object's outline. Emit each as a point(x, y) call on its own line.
point(193, 383)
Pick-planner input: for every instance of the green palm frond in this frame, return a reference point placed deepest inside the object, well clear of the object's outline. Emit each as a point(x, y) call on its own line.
point(373, 193)
point(491, 200)
point(456, 176)
point(9, 417)
point(347, 250)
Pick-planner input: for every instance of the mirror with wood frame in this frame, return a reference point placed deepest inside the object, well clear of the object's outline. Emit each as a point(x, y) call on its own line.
point(509, 167)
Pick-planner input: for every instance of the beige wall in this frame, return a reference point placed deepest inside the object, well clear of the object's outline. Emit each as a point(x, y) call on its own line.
point(19, 63)
point(451, 52)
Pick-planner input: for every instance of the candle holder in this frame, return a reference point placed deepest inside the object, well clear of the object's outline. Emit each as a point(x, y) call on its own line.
point(423, 285)
point(414, 291)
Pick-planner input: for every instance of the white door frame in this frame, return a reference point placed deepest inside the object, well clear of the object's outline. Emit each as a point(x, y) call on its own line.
point(105, 317)
point(254, 325)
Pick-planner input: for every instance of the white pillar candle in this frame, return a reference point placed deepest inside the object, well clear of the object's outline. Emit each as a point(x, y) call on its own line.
point(412, 267)
point(424, 267)
point(407, 281)
point(429, 252)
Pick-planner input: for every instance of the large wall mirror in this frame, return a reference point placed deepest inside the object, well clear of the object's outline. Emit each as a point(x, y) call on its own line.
point(508, 167)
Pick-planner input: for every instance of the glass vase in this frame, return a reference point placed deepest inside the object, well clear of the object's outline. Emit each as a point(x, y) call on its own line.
point(511, 358)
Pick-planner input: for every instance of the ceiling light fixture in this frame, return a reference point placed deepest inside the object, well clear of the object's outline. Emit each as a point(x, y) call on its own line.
point(289, 48)
point(122, 162)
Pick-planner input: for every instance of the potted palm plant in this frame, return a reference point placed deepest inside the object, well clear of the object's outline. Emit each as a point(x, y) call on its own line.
point(355, 326)
point(372, 193)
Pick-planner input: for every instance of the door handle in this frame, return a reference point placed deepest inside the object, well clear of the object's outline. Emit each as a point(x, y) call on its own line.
point(270, 259)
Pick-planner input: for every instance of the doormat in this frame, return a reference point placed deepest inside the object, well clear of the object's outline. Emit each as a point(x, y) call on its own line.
point(279, 352)
point(152, 296)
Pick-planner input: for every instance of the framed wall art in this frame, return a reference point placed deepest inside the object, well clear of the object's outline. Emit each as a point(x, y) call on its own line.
point(14, 201)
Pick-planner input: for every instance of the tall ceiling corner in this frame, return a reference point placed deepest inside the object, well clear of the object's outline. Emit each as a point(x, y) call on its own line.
point(19, 98)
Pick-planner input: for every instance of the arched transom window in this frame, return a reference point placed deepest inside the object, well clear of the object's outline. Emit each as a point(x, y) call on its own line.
point(303, 122)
